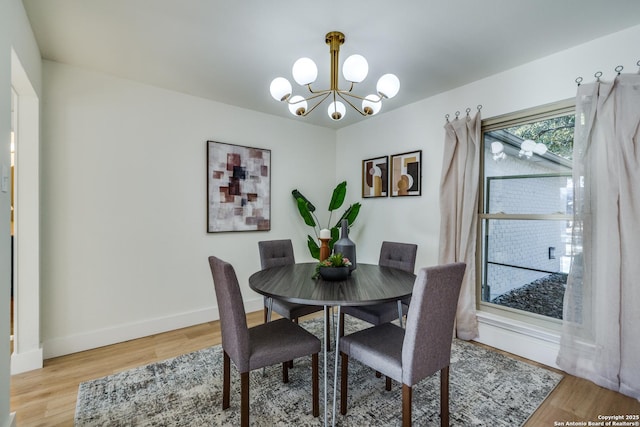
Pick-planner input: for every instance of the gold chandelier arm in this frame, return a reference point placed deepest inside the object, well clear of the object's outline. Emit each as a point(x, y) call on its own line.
point(315, 95)
point(342, 95)
point(326, 95)
point(321, 92)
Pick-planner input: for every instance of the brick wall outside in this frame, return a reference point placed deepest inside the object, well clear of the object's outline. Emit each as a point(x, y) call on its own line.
point(522, 244)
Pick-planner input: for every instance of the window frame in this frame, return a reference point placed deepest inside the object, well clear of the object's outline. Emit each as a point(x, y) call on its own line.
point(526, 116)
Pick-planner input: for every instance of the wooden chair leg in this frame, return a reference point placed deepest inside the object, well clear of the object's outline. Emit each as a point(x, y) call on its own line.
point(291, 361)
point(387, 383)
point(378, 374)
point(406, 405)
point(244, 399)
point(285, 372)
point(341, 325)
point(226, 379)
point(344, 373)
point(444, 397)
point(315, 385)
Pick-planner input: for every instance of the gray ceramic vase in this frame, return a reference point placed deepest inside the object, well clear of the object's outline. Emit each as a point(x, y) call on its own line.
point(345, 246)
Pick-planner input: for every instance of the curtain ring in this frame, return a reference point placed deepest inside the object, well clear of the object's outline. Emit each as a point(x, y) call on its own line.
point(479, 107)
point(468, 110)
point(446, 116)
point(579, 80)
point(619, 69)
point(457, 114)
point(597, 75)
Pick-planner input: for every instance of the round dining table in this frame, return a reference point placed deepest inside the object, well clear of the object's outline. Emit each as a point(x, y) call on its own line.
point(366, 285)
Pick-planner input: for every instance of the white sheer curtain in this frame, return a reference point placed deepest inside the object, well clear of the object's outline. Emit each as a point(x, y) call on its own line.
point(601, 328)
point(459, 212)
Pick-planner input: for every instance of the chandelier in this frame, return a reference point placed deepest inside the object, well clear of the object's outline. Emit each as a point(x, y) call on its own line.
point(354, 70)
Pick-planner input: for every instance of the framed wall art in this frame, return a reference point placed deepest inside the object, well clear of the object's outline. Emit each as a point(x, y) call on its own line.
point(406, 174)
point(375, 177)
point(238, 188)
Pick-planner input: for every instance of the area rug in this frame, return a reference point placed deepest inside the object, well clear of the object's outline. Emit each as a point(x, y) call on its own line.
point(486, 389)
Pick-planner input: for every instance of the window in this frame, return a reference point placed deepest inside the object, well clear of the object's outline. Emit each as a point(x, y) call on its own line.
point(525, 213)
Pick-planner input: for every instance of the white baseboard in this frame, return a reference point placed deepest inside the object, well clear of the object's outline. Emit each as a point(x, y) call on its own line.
point(26, 361)
point(519, 338)
point(10, 421)
point(99, 338)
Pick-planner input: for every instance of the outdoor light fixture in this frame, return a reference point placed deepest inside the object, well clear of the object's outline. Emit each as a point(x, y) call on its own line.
point(354, 70)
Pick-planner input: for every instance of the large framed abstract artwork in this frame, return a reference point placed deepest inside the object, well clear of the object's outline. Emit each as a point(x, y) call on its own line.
point(375, 177)
point(238, 188)
point(406, 174)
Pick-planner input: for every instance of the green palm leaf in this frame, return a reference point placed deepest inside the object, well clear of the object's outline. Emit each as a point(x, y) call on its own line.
point(350, 214)
point(337, 198)
point(303, 208)
point(314, 249)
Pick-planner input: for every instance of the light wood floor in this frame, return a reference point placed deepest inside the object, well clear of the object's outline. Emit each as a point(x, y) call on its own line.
point(47, 396)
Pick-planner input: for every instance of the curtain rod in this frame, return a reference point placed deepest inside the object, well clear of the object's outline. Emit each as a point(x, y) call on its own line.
point(598, 74)
point(468, 110)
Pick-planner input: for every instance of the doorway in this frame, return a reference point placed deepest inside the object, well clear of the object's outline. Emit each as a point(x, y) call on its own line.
point(14, 122)
point(27, 351)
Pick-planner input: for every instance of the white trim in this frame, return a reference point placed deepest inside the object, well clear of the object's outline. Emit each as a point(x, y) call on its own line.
point(107, 336)
point(10, 421)
point(28, 361)
point(519, 338)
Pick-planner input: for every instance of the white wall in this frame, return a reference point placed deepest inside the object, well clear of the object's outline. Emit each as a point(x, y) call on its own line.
point(420, 126)
point(124, 242)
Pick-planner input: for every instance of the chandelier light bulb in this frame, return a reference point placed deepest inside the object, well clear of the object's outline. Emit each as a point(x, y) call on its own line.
point(371, 104)
point(540, 149)
point(388, 86)
point(497, 147)
point(304, 71)
point(497, 150)
point(280, 89)
point(526, 148)
point(336, 110)
point(355, 68)
point(528, 145)
point(297, 105)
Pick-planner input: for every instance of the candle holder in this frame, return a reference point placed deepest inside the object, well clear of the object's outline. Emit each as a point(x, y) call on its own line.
point(324, 249)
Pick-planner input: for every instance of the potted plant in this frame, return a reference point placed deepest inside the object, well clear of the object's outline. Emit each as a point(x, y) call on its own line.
point(336, 267)
point(307, 209)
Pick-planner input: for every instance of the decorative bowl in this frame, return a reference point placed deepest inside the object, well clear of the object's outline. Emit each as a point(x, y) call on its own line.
point(334, 274)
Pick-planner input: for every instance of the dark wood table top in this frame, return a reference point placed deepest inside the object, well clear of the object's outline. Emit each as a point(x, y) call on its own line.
point(367, 284)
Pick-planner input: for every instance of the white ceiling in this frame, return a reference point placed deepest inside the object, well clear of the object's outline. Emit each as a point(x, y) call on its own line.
point(229, 51)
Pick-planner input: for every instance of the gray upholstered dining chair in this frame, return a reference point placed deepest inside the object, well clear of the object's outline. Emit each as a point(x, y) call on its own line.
point(418, 351)
point(395, 255)
point(257, 347)
point(275, 253)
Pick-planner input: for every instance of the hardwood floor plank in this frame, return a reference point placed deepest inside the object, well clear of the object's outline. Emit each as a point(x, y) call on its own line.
point(47, 396)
